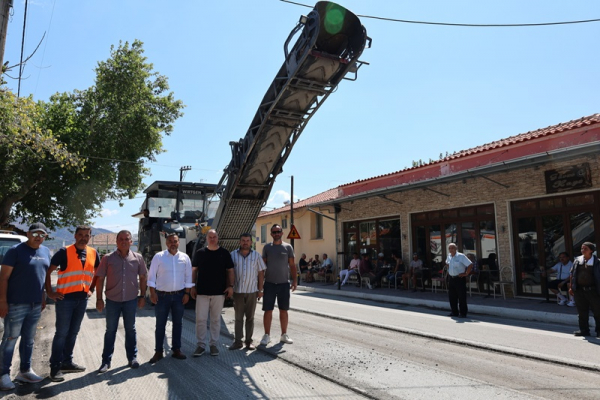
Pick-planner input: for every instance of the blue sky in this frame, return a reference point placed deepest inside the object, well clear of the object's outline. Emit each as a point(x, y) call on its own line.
point(428, 89)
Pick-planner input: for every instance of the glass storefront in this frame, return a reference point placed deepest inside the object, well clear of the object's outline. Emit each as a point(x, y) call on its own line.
point(372, 237)
point(544, 228)
point(473, 229)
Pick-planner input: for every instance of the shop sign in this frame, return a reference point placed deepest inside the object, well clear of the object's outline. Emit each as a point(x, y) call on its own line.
point(569, 178)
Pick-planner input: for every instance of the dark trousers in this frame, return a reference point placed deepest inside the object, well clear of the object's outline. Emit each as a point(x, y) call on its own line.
point(457, 294)
point(69, 314)
point(244, 305)
point(114, 310)
point(168, 303)
point(586, 300)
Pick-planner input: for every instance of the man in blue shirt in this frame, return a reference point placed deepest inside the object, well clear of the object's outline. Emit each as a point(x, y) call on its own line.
point(22, 300)
point(459, 267)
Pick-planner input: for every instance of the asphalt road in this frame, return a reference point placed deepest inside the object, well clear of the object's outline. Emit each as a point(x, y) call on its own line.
point(343, 349)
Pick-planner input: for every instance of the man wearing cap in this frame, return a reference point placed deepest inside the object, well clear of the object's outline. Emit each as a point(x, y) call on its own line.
point(76, 265)
point(415, 270)
point(22, 300)
point(121, 269)
point(585, 287)
point(459, 267)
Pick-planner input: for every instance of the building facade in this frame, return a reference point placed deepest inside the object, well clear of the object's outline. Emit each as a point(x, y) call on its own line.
point(519, 201)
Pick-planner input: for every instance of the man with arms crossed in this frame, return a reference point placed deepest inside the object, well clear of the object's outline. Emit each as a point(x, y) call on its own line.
point(170, 282)
point(249, 270)
point(279, 259)
point(121, 269)
point(76, 265)
point(22, 300)
point(212, 273)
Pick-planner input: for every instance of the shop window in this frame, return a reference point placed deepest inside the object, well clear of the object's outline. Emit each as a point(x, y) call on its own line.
point(487, 236)
point(317, 226)
point(582, 230)
point(389, 237)
point(368, 235)
point(263, 233)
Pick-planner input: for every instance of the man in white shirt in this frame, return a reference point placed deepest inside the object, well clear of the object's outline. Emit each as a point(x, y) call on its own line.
point(249, 270)
point(459, 267)
point(352, 269)
point(170, 282)
point(563, 271)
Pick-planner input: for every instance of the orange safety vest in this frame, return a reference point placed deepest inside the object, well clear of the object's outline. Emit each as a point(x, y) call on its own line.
point(76, 278)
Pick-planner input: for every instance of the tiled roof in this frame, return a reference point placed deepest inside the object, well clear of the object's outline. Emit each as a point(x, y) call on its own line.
point(512, 140)
point(318, 198)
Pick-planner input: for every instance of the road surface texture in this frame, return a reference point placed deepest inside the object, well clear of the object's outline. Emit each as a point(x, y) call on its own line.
point(343, 349)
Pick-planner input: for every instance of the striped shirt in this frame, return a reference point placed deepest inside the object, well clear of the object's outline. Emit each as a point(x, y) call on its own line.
point(246, 271)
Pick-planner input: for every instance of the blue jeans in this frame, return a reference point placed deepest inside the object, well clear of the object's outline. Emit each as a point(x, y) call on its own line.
point(21, 320)
point(113, 312)
point(168, 303)
point(69, 314)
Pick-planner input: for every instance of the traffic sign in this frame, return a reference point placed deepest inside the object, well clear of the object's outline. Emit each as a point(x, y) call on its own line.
point(293, 233)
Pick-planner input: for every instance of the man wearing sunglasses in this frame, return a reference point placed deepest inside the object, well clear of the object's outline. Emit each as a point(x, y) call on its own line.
point(22, 300)
point(279, 259)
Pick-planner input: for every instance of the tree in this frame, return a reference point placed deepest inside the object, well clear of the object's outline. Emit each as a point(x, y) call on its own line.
point(106, 132)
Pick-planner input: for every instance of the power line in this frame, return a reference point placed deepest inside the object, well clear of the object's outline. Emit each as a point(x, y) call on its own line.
point(44, 52)
point(21, 66)
point(463, 25)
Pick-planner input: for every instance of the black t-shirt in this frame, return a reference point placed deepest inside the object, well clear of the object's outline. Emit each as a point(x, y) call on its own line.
point(212, 270)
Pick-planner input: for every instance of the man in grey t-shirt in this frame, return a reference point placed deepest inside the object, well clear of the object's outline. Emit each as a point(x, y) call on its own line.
point(279, 259)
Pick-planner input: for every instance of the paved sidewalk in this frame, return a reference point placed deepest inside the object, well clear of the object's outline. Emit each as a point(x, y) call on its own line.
point(529, 309)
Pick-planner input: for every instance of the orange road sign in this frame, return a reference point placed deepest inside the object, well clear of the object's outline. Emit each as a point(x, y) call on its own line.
point(293, 233)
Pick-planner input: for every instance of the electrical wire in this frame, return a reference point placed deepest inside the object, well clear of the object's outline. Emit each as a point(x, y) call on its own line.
point(44, 52)
point(462, 25)
point(22, 49)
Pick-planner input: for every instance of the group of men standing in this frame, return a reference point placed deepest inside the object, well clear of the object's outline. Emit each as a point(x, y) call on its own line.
point(120, 280)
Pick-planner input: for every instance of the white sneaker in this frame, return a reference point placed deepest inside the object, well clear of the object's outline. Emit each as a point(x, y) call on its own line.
point(562, 302)
point(6, 383)
point(571, 304)
point(369, 286)
point(265, 340)
point(29, 377)
point(286, 339)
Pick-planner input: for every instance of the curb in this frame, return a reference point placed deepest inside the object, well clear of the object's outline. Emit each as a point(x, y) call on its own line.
point(502, 312)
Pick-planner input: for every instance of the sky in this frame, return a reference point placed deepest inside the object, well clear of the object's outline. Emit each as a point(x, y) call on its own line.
point(427, 89)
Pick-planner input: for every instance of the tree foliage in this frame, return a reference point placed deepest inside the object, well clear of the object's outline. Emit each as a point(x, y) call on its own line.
point(79, 149)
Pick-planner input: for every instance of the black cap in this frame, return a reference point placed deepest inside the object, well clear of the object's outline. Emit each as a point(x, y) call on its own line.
point(37, 227)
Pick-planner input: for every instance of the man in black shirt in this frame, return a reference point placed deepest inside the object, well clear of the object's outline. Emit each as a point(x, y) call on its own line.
point(212, 274)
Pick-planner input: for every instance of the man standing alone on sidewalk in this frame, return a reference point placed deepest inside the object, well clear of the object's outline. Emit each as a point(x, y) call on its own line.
point(585, 286)
point(459, 267)
point(22, 300)
point(279, 259)
point(76, 265)
point(212, 272)
point(170, 281)
point(121, 269)
point(247, 289)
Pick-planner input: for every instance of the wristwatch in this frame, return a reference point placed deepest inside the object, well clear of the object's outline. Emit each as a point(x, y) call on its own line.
point(141, 297)
point(261, 291)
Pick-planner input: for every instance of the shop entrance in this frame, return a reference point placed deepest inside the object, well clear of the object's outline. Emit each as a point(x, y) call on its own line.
point(544, 228)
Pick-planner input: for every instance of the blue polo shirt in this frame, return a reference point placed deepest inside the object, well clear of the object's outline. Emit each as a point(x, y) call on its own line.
point(26, 282)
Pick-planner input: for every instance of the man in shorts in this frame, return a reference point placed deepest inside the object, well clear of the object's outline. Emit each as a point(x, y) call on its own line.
point(279, 259)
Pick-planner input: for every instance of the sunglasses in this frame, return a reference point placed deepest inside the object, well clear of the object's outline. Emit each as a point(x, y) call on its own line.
point(276, 231)
point(35, 234)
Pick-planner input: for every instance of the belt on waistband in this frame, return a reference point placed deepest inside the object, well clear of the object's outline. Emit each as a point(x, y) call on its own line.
point(456, 276)
point(586, 288)
point(175, 292)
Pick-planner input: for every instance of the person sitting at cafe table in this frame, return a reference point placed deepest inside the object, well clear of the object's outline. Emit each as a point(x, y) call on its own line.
point(326, 267)
point(563, 271)
point(382, 269)
point(415, 270)
point(365, 270)
point(303, 264)
point(398, 267)
point(351, 270)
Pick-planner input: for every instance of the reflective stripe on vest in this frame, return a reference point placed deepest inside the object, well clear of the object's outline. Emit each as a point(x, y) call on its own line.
point(76, 278)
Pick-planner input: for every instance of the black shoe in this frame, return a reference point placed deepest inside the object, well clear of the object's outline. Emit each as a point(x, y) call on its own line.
point(453, 315)
point(580, 333)
point(463, 315)
point(156, 357)
point(134, 363)
point(56, 375)
point(71, 367)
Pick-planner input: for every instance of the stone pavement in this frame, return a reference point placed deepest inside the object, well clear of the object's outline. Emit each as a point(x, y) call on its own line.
point(529, 309)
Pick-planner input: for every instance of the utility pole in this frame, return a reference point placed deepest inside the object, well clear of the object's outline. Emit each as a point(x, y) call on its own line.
point(182, 170)
point(5, 6)
point(292, 209)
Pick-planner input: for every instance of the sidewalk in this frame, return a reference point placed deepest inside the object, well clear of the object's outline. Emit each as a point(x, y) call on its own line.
point(528, 309)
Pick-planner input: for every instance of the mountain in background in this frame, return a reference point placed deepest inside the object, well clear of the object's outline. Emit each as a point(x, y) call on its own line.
point(60, 236)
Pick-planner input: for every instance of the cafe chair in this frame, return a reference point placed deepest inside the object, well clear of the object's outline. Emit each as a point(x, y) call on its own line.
point(441, 280)
point(504, 271)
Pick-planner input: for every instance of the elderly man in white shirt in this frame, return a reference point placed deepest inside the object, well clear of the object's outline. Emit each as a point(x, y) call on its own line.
point(459, 267)
point(563, 274)
point(170, 282)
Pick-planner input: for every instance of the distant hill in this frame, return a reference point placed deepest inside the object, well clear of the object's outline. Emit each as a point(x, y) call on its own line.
point(62, 235)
